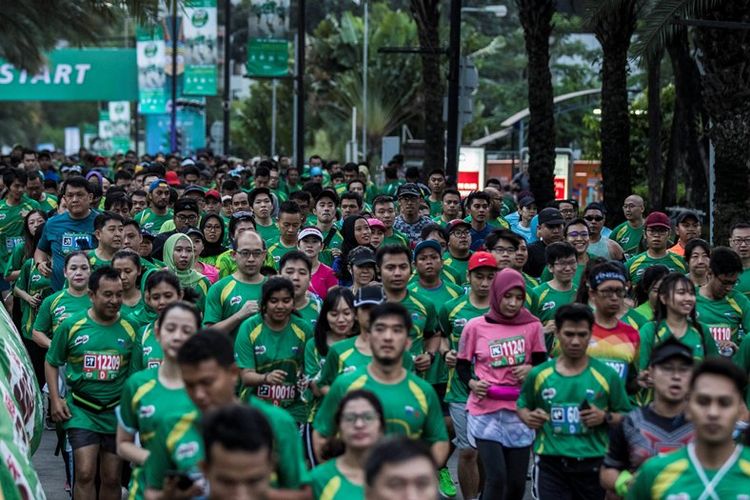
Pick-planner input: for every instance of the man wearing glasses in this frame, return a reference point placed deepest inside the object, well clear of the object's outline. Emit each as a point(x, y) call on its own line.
point(186, 215)
point(409, 222)
point(739, 241)
point(657, 238)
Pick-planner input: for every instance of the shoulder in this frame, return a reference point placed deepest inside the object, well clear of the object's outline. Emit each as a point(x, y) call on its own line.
point(597, 366)
point(544, 368)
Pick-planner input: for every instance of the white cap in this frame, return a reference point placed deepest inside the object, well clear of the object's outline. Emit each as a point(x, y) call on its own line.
point(309, 231)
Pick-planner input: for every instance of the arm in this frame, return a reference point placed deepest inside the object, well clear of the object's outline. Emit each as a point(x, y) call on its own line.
point(40, 339)
point(58, 406)
point(42, 261)
point(615, 250)
point(127, 449)
point(252, 378)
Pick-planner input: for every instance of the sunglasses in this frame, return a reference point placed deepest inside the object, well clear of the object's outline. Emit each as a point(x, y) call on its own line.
point(594, 218)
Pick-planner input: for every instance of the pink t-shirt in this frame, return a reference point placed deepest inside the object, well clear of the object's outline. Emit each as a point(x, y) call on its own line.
point(494, 350)
point(210, 272)
point(323, 280)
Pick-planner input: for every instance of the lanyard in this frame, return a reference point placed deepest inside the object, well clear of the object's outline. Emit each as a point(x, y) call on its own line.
point(709, 486)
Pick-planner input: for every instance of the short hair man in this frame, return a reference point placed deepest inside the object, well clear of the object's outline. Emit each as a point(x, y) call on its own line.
point(657, 231)
point(400, 468)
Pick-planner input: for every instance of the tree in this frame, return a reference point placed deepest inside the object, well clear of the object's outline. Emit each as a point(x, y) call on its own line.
point(536, 19)
point(613, 23)
point(655, 164)
point(251, 120)
point(426, 14)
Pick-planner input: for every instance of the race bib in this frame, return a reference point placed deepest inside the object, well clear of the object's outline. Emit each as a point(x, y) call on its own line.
point(101, 366)
point(720, 333)
point(566, 419)
point(621, 367)
point(76, 241)
point(12, 241)
point(277, 394)
point(507, 352)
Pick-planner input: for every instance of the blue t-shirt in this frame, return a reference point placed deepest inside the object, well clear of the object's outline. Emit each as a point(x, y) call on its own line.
point(62, 235)
point(477, 237)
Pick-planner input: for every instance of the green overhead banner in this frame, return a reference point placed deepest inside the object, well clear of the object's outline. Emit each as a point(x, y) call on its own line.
point(74, 75)
point(201, 47)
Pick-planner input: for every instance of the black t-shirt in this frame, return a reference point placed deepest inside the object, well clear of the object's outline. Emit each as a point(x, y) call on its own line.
point(537, 259)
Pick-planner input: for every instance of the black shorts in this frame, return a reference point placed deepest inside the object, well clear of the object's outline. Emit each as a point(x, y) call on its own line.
point(80, 438)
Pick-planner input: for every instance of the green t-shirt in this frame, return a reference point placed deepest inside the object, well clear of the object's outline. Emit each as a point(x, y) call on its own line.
point(147, 352)
point(453, 318)
point(638, 264)
point(139, 314)
point(326, 257)
point(545, 301)
point(329, 483)
point(447, 291)
point(97, 359)
point(424, 320)
point(344, 357)
point(31, 281)
point(259, 348)
point(144, 404)
point(57, 308)
point(311, 311)
point(411, 406)
point(459, 266)
point(48, 202)
point(725, 319)
point(674, 476)
point(634, 318)
point(278, 250)
point(16, 259)
point(314, 363)
point(227, 296)
point(269, 233)
point(628, 237)
point(151, 221)
point(561, 396)
point(11, 223)
point(743, 284)
point(652, 334)
point(436, 207)
point(397, 238)
point(96, 262)
point(226, 264)
point(547, 274)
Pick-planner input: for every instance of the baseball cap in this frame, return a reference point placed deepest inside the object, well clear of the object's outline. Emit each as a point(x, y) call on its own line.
point(194, 189)
point(671, 348)
point(408, 189)
point(309, 231)
point(551, 217)
point(658, 219)
point(687, 214)
point(361, 255)
point(482, 259)
point(328, 193)
point(186, 204)
point(373, 222)
point(157, 183)
point(371, 295)
point(187, 162)
point(145, 233)
point(195, 232)
point(226, 198)
point(425, 244)
point(316, 171)
point(455, 223)
point(171, 178)
point(526, 201)
point(212, 193)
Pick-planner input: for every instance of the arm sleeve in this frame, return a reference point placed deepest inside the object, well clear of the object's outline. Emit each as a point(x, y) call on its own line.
point(641, 487)
point(43, 320)
point(329, 370)
point(125, 413)
point(45, 242)
point(647, 342)
point(213, 310)
point(618, 398)
point(323, 422)
point(57, 355)
point(467, 343)
point(244, 351)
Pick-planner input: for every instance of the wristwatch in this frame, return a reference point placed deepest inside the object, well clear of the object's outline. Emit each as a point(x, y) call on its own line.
point(608, 417)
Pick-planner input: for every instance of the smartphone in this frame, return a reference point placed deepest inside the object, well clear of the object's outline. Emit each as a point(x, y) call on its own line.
point(585, 405)
point(184, 481)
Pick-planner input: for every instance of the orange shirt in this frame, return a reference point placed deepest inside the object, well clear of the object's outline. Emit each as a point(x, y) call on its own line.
point(678, 249)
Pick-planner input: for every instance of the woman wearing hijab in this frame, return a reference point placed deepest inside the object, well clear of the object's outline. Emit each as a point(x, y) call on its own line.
point(213, 229)
point(179, 257)
point(356, 232)
point(500, 348)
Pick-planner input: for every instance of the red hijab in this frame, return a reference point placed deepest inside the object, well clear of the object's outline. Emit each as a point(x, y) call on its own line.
point(506, 280)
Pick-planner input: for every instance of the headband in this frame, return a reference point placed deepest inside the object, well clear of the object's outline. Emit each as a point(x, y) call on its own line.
point(599, 278)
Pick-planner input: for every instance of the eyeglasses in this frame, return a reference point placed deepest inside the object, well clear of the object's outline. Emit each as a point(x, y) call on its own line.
point(612, 292)
point(367, 417)
point(460, 234)
point(741, 241)
point(578, 234)
point(503, 250)
point(211, 227)
point(246, 254)
point(186, 218)
point(594, 218)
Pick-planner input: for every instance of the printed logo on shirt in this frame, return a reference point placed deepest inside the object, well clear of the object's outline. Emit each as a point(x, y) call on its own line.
point(235, 300)
point(260, 350)
point(411, 411)
point(76, 241)
point(147, 350)
point(36, 278)
point(187, 450)
point(460, 322)
point(548, 306)
point(58, 311)
point(549, 393)
point(81, 340)
point(147, 411)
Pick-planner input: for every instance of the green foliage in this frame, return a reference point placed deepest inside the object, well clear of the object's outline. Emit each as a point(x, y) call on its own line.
point(251, 120)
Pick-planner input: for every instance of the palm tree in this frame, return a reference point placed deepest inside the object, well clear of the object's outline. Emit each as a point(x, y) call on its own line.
point(536, 19)
point(725, 82)
point(33, 27)
point(426, 14)
point(613, 23)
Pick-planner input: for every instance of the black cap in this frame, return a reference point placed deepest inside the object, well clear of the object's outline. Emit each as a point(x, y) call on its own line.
point(361, 255)
point(408, 189)
point(194, 232)
point(526, 201)
point(194, 189)
point(372, 295)
point(551, 216)
point(687, 214)
point(671, 348)
point(148, 235)
point(186, 204)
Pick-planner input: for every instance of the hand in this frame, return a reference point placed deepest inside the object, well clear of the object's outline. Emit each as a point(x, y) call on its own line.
point(644, 379)
point(275, 377)
point(535, 419)
point(450, 358)
point(728, 343)
point(549, 327)
point(521, 371)
point(59, 410)
point(422, 362)
point(34, 300)
point(44, 268)
point(249, 308)
point(171, 491)
point(593, 416)
point(479, 387)
point(335, 252)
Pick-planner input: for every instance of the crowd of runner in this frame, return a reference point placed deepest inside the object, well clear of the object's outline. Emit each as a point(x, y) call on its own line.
point(208, 327)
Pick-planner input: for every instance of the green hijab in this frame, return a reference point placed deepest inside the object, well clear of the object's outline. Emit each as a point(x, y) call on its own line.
point(190, 276)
